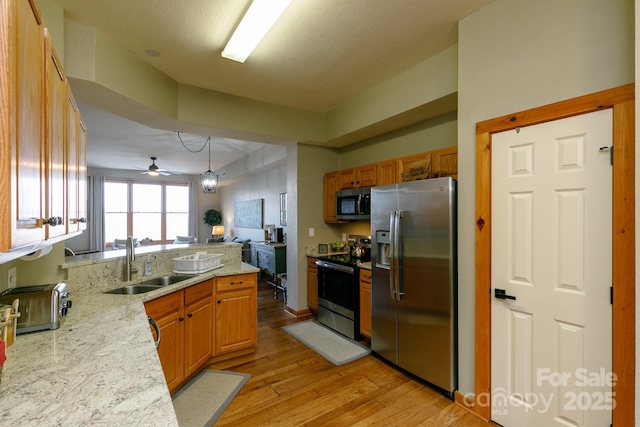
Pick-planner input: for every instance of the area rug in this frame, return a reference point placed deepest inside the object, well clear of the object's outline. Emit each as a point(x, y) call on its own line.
point(332, 346)
point(203, 399)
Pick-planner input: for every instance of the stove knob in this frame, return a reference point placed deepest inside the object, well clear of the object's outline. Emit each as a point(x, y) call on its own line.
point(63, 311)
point(68, 303)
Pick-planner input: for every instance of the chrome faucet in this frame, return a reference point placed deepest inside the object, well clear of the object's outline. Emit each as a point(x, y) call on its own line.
point(130, 257)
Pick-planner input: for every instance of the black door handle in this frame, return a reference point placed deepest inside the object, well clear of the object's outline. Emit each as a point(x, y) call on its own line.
point(502, 294)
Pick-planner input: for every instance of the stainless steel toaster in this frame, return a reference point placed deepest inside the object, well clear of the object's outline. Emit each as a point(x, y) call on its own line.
point(41, 307)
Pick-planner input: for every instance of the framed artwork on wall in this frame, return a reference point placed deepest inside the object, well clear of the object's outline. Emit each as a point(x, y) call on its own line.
point(283, 208)
point(248, 213)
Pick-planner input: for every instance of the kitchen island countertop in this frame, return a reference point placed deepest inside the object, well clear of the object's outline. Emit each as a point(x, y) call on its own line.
point(99, 368)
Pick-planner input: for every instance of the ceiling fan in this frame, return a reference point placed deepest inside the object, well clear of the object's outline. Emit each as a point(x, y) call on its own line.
point(154, 170)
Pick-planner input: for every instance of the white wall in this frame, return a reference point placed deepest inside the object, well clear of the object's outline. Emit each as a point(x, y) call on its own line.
point(267, 186)
point(516, 55)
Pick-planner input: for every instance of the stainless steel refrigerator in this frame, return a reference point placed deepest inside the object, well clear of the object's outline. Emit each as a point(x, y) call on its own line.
point(414, 278)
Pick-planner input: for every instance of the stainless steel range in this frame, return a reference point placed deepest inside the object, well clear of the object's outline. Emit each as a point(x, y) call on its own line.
point(338, 291)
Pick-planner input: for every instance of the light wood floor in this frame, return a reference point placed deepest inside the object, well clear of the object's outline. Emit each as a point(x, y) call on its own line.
point(291, 385)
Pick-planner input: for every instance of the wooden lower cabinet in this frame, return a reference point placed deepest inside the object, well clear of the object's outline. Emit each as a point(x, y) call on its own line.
point(312, 284)
point(236, 313)
point(365, 303)
point(185, 319)
point(168, 312)
point(208, 319)
point(198, 311)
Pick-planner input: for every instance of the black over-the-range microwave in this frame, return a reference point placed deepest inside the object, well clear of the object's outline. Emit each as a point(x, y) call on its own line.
point(353, 204)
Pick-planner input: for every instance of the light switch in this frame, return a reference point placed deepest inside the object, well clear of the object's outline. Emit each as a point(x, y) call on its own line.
point(312, 232)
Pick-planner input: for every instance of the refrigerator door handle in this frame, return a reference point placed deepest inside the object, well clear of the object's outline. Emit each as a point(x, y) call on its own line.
point(397, 243)
point(392, 267)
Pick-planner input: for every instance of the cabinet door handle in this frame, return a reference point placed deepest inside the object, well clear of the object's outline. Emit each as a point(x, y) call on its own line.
point(190, 315)
point(219, 301)
point(53, 221)
point(181, 319)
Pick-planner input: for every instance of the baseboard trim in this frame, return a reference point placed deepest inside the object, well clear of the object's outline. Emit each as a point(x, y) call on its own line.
point(297, 314)
point(468, 403)
point(231, 355)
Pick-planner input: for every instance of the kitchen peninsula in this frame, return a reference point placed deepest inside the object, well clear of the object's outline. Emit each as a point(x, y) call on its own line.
point(101, 365)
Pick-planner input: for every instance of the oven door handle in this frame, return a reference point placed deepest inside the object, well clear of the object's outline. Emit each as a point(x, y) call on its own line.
point(337, 267)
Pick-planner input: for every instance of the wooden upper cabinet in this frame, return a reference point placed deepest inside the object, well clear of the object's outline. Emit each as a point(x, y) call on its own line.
point(386, 172)
point(363, 176)
point(22, 124)
point(73, 123)
point(414, 168)
point(55, 97)
point(445, 162)
point(82, 176)
point(367, 176)
point(432, 164)
point(347, 179)
point(330, 188)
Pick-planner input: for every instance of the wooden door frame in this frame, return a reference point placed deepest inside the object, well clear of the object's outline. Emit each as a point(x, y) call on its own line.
point(621, 100)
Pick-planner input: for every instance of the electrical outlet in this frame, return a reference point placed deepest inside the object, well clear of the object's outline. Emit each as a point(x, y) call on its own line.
point(312, 232)
point(12, 278)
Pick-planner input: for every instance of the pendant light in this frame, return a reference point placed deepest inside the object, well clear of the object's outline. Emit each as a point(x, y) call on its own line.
point(209, 180)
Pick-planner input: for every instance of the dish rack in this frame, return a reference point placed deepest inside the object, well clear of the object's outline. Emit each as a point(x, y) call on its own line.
point(197, 263)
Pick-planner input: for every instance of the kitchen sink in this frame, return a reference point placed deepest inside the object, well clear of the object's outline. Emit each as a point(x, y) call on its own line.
point(134, 289)
point(164, 280)
point(149, 285)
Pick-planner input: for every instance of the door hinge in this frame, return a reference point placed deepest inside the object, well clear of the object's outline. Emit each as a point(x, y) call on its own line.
point(610, 148)
point(611, 294)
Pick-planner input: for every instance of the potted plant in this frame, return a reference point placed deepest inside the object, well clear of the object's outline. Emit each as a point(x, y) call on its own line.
point(212, 217)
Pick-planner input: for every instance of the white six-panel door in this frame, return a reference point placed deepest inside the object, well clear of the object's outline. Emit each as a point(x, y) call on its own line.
point(551, 250)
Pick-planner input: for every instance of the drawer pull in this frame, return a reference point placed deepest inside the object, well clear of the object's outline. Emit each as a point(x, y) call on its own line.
point(236, 283)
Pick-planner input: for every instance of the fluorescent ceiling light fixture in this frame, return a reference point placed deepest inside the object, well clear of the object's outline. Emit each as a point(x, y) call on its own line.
point(255, 24)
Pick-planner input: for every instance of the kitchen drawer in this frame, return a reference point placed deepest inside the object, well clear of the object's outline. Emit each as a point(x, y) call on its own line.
point(199, 291)
point(165, 304)
point(311, 262)
point(232, 283)
point(365, 275)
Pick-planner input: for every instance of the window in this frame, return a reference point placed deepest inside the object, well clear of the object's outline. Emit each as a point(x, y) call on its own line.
point(155, 210)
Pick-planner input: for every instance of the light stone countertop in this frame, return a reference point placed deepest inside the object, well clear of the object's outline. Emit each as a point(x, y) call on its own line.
point(99, 368)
